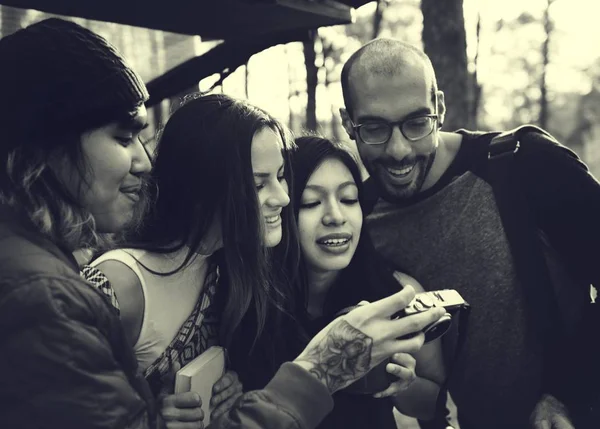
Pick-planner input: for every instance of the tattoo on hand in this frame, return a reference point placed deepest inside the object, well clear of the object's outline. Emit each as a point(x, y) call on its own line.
point(343, 356)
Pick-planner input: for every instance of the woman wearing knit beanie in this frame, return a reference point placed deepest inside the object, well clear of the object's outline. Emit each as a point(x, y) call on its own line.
point(72, 168)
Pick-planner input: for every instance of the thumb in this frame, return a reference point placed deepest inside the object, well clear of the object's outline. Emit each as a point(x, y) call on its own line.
point(562, 422)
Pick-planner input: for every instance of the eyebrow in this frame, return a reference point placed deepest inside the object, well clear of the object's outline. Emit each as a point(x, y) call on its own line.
point(133, 124)
point(266, 175)
point(419, 112)
point(319, 188)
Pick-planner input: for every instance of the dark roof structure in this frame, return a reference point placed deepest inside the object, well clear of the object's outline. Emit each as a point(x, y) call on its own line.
point(245, 26)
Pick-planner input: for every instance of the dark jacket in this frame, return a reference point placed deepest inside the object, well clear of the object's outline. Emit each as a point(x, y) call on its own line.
point(64, 361)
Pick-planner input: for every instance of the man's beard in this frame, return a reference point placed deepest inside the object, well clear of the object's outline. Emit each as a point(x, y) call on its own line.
point(399, 193)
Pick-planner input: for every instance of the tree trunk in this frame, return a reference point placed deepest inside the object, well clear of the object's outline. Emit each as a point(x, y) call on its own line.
point(444, 41)
point(543, 118)
point(247, 80)
point(476, 87)
point(311, 80)
point(378, 17)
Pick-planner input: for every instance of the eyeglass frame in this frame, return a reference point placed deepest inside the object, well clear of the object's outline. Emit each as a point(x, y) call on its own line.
point(399, 124)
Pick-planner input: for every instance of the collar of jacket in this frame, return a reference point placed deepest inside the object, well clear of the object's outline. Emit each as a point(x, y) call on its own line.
point(11, 223)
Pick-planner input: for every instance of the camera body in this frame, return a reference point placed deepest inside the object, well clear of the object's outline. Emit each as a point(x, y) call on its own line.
point(447, 298)
point(378, 378)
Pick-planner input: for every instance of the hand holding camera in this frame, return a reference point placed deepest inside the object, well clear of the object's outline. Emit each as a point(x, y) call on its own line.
point(357, 341)
point(448, 300)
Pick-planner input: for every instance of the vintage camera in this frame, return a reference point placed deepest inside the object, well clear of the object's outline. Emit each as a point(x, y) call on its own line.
point(447, 298)
point(378, 378)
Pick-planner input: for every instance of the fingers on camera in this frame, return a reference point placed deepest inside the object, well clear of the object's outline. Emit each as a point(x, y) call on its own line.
point(393, 303)
point(404, 360)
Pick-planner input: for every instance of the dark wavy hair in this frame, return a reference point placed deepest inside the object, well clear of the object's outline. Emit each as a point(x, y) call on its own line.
point(30, 186)
point(202, 169)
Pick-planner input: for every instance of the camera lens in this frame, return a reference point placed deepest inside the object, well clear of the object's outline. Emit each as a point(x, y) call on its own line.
point(438, 328)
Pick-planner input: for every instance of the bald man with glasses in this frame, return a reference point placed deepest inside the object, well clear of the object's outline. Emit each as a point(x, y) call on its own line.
point(435, 216)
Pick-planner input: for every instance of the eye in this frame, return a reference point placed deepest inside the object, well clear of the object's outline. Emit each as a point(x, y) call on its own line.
point(125, 140)
point(421, 122)
point(374, 127)
point(309, 205)
point(281, 178)
point(350, 201)
point(259, 186)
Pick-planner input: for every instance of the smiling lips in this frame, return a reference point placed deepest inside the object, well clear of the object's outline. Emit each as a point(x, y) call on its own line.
point(132, 192)
point(335, 243)
point(400, 175)
point(273, 221)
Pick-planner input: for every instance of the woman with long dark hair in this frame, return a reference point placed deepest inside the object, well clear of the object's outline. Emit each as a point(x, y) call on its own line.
point(201, 259)
point(339, 268)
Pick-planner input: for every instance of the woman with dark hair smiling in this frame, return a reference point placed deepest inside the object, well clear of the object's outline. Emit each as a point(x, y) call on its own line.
point(202, 258)
point(339, 268)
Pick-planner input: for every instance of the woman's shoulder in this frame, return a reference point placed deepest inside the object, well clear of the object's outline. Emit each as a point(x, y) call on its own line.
point(129, 257)
point(127, 284)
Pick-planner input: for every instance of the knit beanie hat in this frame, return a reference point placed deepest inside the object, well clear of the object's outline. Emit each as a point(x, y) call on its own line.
point(55, 75)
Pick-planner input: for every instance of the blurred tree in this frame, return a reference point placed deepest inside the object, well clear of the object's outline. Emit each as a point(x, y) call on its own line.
point(475, 86)
point(444, 41)
point(548, 27)
point(377, 18)
point(312, 79)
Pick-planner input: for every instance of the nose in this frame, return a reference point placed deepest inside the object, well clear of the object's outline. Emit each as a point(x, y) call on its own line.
point(398, 146)
point(140, 163)
point(279, 195)
point(334, 215)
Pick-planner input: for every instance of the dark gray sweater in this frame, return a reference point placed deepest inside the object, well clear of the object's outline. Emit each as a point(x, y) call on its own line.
point(451, 236)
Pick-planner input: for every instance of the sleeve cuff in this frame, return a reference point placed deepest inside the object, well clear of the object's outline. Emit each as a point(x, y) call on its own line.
point(295, 389)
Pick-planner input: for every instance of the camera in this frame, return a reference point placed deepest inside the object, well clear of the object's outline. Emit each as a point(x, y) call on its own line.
point(447, 298)
point(378, 378)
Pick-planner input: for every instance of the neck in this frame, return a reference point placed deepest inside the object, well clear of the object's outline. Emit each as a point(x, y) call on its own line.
point(448, 146)
point(319, 283)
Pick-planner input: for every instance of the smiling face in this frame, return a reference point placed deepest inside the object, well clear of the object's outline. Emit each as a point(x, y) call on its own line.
point(271, 186)
point(330, 217)
point(115, 162)
point(399, 167)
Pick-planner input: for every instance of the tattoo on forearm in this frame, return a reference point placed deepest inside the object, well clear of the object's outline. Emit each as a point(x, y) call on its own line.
point(343, 356)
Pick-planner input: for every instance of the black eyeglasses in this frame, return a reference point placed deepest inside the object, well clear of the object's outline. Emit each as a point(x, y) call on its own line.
point(380, 131)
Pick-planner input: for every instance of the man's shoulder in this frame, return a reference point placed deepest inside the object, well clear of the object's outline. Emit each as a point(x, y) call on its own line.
point(535, 144)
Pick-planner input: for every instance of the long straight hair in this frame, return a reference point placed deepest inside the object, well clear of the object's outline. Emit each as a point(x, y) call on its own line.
point(368, 276)
point(311, 151)
point(202, 171)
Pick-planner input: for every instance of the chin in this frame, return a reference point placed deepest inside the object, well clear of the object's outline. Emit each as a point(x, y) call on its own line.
point(273, 239)
point(112, 225)
point(335, 264)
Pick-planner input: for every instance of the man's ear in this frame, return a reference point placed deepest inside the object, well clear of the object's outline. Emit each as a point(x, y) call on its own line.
point(347, 123)
point(441, 107)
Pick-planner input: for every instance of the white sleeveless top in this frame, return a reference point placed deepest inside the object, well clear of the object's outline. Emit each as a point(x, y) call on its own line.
point(169, 300)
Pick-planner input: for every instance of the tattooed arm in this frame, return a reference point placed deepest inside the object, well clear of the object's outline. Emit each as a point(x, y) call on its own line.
point(353, 344)
point(341, 358)
point(299, 395)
